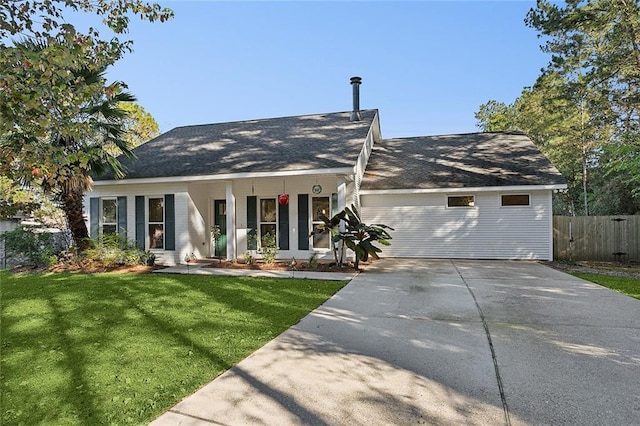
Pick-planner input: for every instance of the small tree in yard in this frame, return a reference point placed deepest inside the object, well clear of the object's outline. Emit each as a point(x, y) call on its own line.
point(357, 236)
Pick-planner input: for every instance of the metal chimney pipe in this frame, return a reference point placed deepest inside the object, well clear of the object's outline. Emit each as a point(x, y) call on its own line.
point(355, 114)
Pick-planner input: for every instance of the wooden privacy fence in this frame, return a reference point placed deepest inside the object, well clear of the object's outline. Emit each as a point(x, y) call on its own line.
point(603, 238)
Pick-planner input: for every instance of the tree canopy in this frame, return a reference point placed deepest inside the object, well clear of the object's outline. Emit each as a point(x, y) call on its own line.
point(584, 109)
point(60, 119)
point(139, 125)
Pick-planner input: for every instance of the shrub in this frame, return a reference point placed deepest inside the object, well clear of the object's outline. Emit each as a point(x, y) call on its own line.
point(268, 248)
point(248, 258)
point(26, 245)
point(114, 249)
point(313, 260)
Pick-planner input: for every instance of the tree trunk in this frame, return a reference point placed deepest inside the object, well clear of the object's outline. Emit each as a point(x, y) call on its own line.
point(71, 199)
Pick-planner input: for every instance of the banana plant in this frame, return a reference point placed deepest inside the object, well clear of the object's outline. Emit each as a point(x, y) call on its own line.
point(356, 235)
point(360, 237)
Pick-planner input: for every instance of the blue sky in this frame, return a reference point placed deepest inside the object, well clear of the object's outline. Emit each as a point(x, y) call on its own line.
point(427, 66)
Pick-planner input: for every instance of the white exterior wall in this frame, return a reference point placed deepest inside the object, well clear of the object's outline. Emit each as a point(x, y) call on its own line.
point(182, 214)
point(194, 211)
point(201, 197)
point(425, 227)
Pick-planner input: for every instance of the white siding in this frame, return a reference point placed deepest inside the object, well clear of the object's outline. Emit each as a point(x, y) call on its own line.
point(201, 197)
point(182, 210)
point(425, 227)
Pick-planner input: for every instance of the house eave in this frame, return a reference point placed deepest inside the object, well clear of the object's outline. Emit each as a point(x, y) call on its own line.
point(463, 189)
point(228, 176)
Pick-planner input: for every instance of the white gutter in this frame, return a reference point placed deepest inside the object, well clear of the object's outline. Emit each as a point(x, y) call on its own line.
point(227, 176)
point(466, 189)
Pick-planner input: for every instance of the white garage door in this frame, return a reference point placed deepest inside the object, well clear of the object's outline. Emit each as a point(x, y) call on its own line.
point(426, 227)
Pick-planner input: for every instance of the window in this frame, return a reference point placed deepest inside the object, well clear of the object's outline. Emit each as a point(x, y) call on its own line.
point(268, 220)
point(461, 201)
point(515, 200)
point(109, 217)
point(320, 206)
point(156, 223)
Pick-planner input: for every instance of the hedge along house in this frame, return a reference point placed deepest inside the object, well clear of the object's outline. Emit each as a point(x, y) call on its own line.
point(274, 176)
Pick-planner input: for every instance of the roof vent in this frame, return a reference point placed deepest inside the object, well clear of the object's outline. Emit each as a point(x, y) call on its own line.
point(355, 114)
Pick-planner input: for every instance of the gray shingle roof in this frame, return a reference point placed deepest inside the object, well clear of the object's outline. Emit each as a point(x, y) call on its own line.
point(306, 142)
point(458, 161)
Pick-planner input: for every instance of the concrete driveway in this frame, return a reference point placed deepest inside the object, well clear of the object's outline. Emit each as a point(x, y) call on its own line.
point(441, 342)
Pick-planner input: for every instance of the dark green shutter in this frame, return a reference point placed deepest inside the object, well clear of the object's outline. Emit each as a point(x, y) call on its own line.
point(122, 216)
point(283, 226)
point(169, 222)
point(252, 222)
point(94, 215)
point(334, 204)
point(303, 222)
point(140, 234)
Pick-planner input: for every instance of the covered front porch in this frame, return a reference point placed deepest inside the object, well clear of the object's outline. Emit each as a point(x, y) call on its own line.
point(250, 211)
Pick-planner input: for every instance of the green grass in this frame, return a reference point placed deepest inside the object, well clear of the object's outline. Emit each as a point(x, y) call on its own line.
point(625, 285)
point(82, 349)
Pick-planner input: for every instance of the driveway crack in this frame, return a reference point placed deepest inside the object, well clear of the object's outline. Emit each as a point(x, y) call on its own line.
point(503, 398)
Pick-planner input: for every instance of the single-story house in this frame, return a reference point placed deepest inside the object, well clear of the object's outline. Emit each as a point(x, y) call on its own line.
point(479, 195)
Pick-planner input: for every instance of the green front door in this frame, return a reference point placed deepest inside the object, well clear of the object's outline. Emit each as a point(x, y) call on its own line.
point(220, 219)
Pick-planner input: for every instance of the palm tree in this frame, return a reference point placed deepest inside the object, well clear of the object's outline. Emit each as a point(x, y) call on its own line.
point(98, 135)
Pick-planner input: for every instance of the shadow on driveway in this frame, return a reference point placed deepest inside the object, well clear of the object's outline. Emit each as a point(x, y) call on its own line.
point(404, 343)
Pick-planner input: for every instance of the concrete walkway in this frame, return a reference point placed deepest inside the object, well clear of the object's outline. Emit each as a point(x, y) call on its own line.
point(441, 342)
point(201, 269)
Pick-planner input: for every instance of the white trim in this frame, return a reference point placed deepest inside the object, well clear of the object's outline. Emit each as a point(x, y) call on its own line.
point(227, 176)
point(231, 221)
point(101, 224)
point(462, 190)
point(148, 222)
point(318, 222)
point(275, 222)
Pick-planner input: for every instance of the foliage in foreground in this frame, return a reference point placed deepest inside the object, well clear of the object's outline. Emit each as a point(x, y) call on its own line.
point(59, 117)
point(25, 245)
point(29, 246)
point(625, 285)
point(120, 349)
point(114, 249)
point(583, 111)
point(356, 235)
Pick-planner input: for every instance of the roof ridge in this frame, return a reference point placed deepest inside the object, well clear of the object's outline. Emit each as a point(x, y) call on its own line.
point(515, 132)
point(269, 118)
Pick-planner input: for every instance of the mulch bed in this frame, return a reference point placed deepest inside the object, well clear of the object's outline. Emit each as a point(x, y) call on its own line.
point(282, 266)
point(614, 269)
point(87, 268)
point(93, 267)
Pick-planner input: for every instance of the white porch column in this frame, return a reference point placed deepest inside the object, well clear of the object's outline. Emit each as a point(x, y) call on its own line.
point(342, 203)
point(231, 222)
point(342, 194)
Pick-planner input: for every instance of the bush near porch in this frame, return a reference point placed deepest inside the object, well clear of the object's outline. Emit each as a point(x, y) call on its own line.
point(121, 348)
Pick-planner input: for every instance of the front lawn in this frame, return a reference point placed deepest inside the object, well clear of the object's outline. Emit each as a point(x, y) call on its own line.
point(625, 285)
point(80, 349)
